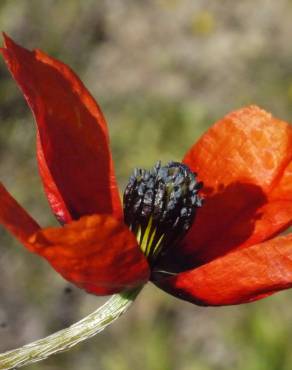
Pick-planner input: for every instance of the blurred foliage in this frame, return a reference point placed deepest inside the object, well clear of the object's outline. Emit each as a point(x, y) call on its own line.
point(163, 71)
point(203, 23)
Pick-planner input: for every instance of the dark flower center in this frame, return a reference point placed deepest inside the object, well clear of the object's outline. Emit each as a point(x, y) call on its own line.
point(160, 205)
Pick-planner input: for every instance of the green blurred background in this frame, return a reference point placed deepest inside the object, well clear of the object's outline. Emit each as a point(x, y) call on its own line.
point(163, 71)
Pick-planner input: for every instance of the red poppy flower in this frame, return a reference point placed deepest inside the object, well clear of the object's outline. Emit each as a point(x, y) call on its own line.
point(226, 252)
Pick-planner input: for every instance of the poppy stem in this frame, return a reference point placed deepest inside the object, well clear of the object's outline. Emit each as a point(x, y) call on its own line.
point(74, 334)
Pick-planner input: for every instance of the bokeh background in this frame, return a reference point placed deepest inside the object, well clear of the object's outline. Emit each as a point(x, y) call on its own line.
point(163, 71)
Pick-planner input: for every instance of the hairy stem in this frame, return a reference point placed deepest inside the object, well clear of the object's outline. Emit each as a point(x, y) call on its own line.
point(69, 337)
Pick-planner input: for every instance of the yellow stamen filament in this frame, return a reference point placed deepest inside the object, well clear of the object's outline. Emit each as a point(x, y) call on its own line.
point(150, 242)
point(143, 244)
point(156, 249)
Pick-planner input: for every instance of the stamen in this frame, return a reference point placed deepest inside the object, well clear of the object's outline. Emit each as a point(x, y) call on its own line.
point(160, 205)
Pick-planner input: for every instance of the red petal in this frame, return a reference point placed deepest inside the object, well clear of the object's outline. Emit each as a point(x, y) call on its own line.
point(238, 277)
point(73, 150)
point(15, 218)
point(97, 253)
point(245, 162)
